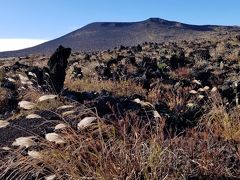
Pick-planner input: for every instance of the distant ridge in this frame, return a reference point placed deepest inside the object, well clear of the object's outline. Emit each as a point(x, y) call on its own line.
point(106, 35)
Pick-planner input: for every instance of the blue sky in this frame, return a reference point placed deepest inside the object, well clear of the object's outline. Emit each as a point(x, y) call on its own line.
point(49, 19)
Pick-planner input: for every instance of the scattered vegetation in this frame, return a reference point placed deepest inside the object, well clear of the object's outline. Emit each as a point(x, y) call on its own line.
point(129, 113)
point(126, 150)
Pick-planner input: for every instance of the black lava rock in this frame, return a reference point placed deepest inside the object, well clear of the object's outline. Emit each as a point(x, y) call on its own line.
point(177, 60)
point(57, 67)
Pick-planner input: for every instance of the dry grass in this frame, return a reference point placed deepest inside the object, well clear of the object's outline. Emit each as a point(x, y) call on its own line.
point(180, 73)
point(167, 93)
point(49, 104)
point(3, 97)
point(234, 56)
point(221, 121)
point(122, 88)
point(2, 75)
point(31, 95)
point(125, 150)
point(128, 150)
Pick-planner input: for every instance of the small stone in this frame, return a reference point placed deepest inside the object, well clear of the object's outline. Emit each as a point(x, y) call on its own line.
point(193, 92)
point(6, 148)
point(47, 97)
point(197, 82)
point(50, 177)
point(26, 105)
point(142, 103)
point(221, 65)
point(11, 80)
point(3, 124)
point(32, 74)
point(23, 78)
point(206, 88)
point(235, 84)
point(190, 105)
point(156, 114)
point(214, 89)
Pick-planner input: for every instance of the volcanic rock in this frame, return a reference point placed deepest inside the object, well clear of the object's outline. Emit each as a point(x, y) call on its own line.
point(57, 67)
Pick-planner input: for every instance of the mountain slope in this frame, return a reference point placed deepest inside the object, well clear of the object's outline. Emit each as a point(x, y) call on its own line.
point(106, 35)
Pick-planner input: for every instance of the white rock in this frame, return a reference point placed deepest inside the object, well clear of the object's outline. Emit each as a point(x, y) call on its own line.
point(35, 154)
point(214, 89)
point(23, 78)
point(201, 96)
point(85, 122)
point(235, 84)
point(47, 97)
point(201, 90)
point(142, 103)
point(206, 88)
point(33, 116)
point(193, 92)
point(24, 141)
point(28, 83)
point(32, 74)
point(50, 177)
point(156, 114)
point(237, 102)
point(65, 107)
point(22, 88)
point(54, 137)
point(60, 126)
point(6, 148)
point(26, 105)
point(47, 74)
point(190, 105)
point(196, 82)
point(11, 80)
point(221, 65)
point(3, 123)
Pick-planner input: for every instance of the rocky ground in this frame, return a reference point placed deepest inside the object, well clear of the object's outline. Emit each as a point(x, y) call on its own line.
point(181, 96)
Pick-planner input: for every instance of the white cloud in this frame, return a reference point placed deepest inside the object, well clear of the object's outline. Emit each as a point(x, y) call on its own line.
point(16, 44)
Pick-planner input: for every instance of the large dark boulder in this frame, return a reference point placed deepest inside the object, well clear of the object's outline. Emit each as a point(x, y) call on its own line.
point(131, 60)
point(114, 61)
point(230, 90)
point(203, 54)
point(77, 72)
point(8, 84)
point(104, 72)
point(18, 66)
point(238, 37)
point(179, 118)
point(204, 75)
point(148, 63)
point(177, 60)
point(8, 102)
point(57, 67)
